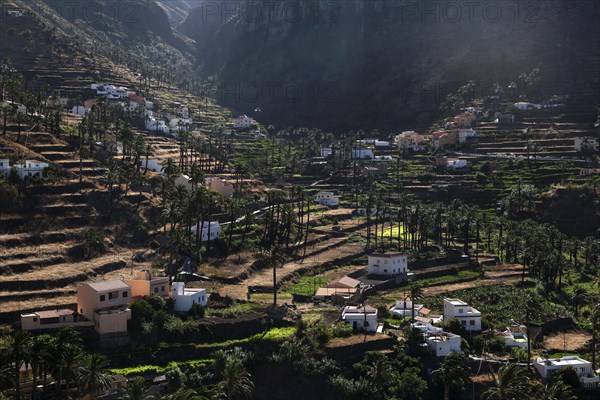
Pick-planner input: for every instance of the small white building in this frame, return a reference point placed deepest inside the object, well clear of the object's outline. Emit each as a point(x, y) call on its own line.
point(425, 327)
point(443, 343)
point(31, 169)
point(582, 144)
point(515, 336)
point(382, 143)
point(403, 308)
point(184, 298)
point(243, 121)
point(547, 366)
point(210, 230)
point(389, 263)
point(456, 164)
point(156, 125)
point(361, 318)
point(80, 110)
point(327, 199)
point(466, 134)
point(525, 106)
point(469, 317)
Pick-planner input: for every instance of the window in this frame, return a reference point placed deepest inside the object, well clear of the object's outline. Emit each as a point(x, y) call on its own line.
point(385, 270)
point(460, 311)
point(34, 319)
point(125, 294)
point(162, 288)
point(102, 298)
point(472, 322)
point(155, 290)
point(463, 322)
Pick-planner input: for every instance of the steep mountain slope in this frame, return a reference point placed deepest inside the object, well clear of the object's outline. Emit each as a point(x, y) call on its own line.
point(177, 10)
point(93, 36)
point(377, 64)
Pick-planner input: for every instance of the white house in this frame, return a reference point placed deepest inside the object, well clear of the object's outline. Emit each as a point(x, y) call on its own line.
point(4, 167)
point(456, 164)
point(243, 121)
point(361, 154)
point(547, 366)
point(153, 124)
point(585, 144)
point(184, 298)
point(382, 143)
point(326, 151)
point(425, 327)
point(30, 169)
point(524, 106)
point(443, 343)
point(466, 134)
point(515, 336)
point(361, 318)
point(469, 317)
point(327, 199)
point(210, 230)
point(403, 308)
point(389, 263)
point(80, 110)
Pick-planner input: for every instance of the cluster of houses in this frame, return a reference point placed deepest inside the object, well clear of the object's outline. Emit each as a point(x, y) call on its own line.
point(442, 343)
point(104, 305)
point(585, 144)
point(26, 170)
point(165, 121)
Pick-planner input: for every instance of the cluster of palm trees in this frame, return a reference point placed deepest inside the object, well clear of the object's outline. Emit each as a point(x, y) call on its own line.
point(74, 372)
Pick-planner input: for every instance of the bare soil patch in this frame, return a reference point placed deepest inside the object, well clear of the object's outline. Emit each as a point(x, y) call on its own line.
point(567, 341)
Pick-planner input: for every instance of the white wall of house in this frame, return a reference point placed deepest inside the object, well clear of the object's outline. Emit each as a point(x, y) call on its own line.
point(184, 298)
point(327, 199)
point(587, 377)
point(359, 319)
point(361, 154)
point(443, 343)
point(213, 226)
point(469, 317)
point(31, 169)
point(154, 165)
point(389, 263)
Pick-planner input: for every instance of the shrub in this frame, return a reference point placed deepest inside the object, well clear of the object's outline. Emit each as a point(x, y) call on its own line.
point(197, 311)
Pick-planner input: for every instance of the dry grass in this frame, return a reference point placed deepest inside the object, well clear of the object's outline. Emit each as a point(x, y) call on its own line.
point(567, 341)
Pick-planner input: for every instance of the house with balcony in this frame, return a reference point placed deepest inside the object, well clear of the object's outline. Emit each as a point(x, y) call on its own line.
point(469, 317)
point(515, 336)
point(361, 318)
point(143, 283)
point(185, 298)
point(106, 304)
point(388, 264)
point(587, 376)
point(243, 121)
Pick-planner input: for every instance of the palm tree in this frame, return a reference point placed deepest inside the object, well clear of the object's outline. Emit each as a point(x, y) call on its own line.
point(381, 373)
point(454, 370)
point(94, 375)
point(509, 384)
point(578, 299)
point(595, 321)
point(558, 390)
point(65, 338)
point(19, 351)
point(274, 257)
point(5, 110)
point(532, 308)
point(416, 294)
point(38, 357)
point(235, 381)
point(137, 390)
point(205, 393)
point(70, 364)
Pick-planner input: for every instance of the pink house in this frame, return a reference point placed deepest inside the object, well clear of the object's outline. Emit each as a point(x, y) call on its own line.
point(144, 284)
point(105, 303)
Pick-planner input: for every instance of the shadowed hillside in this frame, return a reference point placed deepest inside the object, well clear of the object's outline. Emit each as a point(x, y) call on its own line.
point(376, 64)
